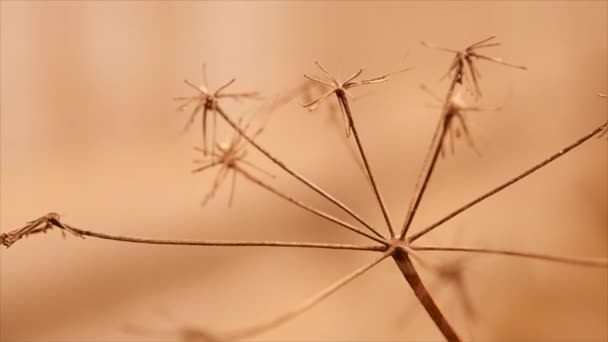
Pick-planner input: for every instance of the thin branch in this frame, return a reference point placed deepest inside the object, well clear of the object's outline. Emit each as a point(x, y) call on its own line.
point(591, 262)
point(306, 206)
point(411, 275)
point(432, 155)
point(461, 60)
point(497, 189)
point(293, 173)
point(304, 306)
point(47, 222)
point(342, 98)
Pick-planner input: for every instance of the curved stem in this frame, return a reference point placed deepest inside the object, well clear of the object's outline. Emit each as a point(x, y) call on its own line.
point(342, 98)
point(501, 187)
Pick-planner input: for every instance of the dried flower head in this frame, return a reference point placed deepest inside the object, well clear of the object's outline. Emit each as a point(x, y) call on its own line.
point(208, 101)
point(455, 121)
point(342, 88)
point(463, 68)
point(230, 156)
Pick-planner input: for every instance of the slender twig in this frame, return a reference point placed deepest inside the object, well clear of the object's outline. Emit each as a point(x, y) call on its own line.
point(341, 90)
point(592, 262)
point(51, 220)
point(462, 60)
point(497, 189)
point(296, 175)
point(344, 101)
point(294, 312)
point(432, 155)
point(305, 206)
point(411, 275)
point(231, 157)
point(227, 243)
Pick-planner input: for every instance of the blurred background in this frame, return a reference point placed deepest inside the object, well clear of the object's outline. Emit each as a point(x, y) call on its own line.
point(89, 129)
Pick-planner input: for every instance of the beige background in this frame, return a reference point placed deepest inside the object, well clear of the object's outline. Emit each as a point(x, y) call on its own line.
point(89, 129)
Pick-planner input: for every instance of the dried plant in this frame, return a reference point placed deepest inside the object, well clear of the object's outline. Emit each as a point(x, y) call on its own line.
point(398, 244)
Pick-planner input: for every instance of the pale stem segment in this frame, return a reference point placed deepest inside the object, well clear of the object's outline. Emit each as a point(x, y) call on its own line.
point(351, 123)
point(424, 297)
point(293, 173)
point(591, 262)
point(499, 188)
point(304, 306)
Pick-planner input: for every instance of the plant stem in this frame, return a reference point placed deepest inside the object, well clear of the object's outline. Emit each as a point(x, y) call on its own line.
point(566, 260)
point(219, 243)
point(299, 177)
point(497, 189)
point(432, 154)
point(409, 272)
point(342, 98)
point(306, 206)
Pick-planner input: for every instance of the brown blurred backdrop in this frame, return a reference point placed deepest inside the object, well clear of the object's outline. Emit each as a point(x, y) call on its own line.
point(89, 130)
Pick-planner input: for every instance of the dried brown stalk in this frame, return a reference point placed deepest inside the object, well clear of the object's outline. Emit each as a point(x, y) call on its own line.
point(503, 186)
point(403, 261)
point(297, 175)
point(341, 91)
point(462, 60)
point(231, 158)
point(51, 220)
